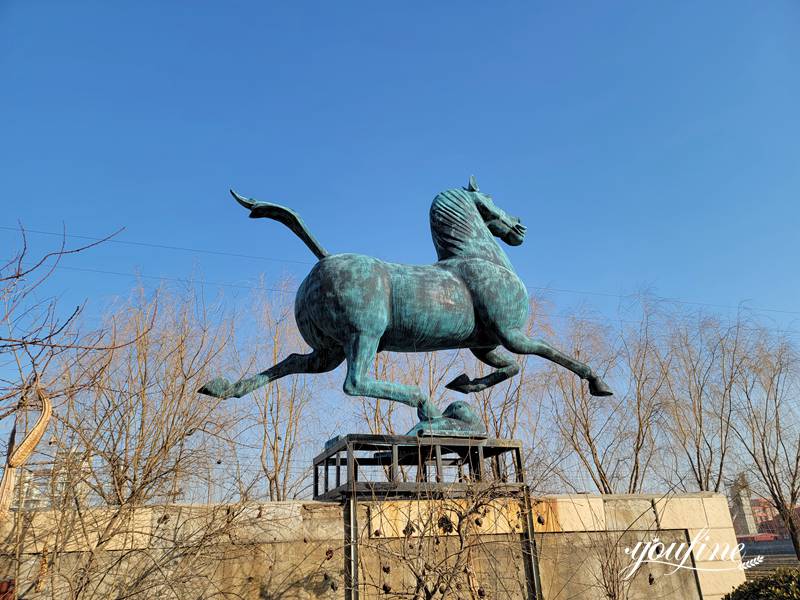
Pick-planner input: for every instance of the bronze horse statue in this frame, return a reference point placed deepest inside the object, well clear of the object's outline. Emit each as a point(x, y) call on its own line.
point(351, 306)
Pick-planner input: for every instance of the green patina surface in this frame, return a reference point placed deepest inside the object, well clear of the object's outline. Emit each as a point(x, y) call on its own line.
point(351, 306)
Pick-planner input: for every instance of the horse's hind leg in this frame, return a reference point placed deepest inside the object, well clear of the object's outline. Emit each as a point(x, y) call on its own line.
point(318, 361)
point(518, 342)
point(505, 364)
point(360, 352)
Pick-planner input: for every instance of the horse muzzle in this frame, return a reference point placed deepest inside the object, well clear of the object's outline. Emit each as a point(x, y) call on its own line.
point(516, 235)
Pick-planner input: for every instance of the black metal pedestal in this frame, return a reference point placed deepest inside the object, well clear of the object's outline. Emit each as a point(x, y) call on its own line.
point(379, 467)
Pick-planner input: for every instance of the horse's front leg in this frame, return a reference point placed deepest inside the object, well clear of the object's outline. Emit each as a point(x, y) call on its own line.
point(518, 342)
point(360, 352)
point(505, 364)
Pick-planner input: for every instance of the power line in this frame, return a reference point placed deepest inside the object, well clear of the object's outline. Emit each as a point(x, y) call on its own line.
point(184, 281)
point(160, 246)
point(668, 299)
point(300, 262)
point(175, 279)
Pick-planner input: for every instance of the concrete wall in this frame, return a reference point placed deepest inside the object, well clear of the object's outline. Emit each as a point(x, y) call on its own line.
point(582, 538)
point(295, 550)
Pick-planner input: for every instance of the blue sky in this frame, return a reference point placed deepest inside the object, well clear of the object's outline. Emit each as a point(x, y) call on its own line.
point(644, 144)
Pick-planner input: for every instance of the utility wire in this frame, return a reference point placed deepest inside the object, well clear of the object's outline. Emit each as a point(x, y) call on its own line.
point(160, 246)
point(294, 291)
point(300, 262)
point(175, 279)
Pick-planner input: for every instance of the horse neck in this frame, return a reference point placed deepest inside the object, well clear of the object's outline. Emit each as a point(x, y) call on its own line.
point(479, 246)
point(458, 230)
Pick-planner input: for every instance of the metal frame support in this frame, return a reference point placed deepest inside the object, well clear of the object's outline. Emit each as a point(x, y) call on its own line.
point(351, 548)
point(351, 529)
point(529, 551)
point(392, 453)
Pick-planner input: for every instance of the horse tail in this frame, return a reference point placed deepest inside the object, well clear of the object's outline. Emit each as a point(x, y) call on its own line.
point(286, 216)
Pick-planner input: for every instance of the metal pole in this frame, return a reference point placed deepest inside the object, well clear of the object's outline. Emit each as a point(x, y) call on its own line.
point(351, 547)
point(351, 529)
point(529, 538)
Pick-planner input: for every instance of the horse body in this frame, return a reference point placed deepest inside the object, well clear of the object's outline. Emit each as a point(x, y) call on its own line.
point(351, 306)
point(411, 308)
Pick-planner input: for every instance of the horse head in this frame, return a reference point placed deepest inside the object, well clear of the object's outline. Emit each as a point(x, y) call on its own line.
point(501, 224)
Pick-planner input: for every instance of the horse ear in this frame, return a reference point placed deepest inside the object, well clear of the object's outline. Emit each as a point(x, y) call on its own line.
point(473, 185)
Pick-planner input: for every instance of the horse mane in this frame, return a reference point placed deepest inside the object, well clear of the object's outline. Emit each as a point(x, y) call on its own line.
point(454, 219)
point(458, 230)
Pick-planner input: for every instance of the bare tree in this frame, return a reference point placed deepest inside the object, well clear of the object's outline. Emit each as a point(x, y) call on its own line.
point(34, 333)
point(137, 435)
point(613, 438)
point(379, 415)
point(588, 427)
point(445, 546)
point(37, 340)
point(282, 407)
point(765, 423)
point(518, 401)
point(429, 371)
point(707, 358)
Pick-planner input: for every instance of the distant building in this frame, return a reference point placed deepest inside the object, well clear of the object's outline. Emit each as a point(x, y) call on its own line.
point(46, 484)
point(763, 511)
point(741, 504)
point(755, 518)
point(776, 525)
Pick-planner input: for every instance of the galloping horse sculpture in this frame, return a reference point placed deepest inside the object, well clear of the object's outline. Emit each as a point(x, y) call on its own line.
point(351, 306)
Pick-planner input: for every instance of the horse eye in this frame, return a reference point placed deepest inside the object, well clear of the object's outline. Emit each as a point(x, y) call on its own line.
point(485, 209)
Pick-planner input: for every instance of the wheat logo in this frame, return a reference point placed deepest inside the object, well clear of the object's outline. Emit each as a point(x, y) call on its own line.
point(753, 562)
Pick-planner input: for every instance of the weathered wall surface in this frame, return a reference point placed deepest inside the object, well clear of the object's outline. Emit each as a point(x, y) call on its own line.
point(582, 541)
point(296, 550)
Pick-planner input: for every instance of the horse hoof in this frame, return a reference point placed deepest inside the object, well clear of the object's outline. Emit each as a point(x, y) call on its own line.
point(218, 388)
point(598, 387)
point(459, 384)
